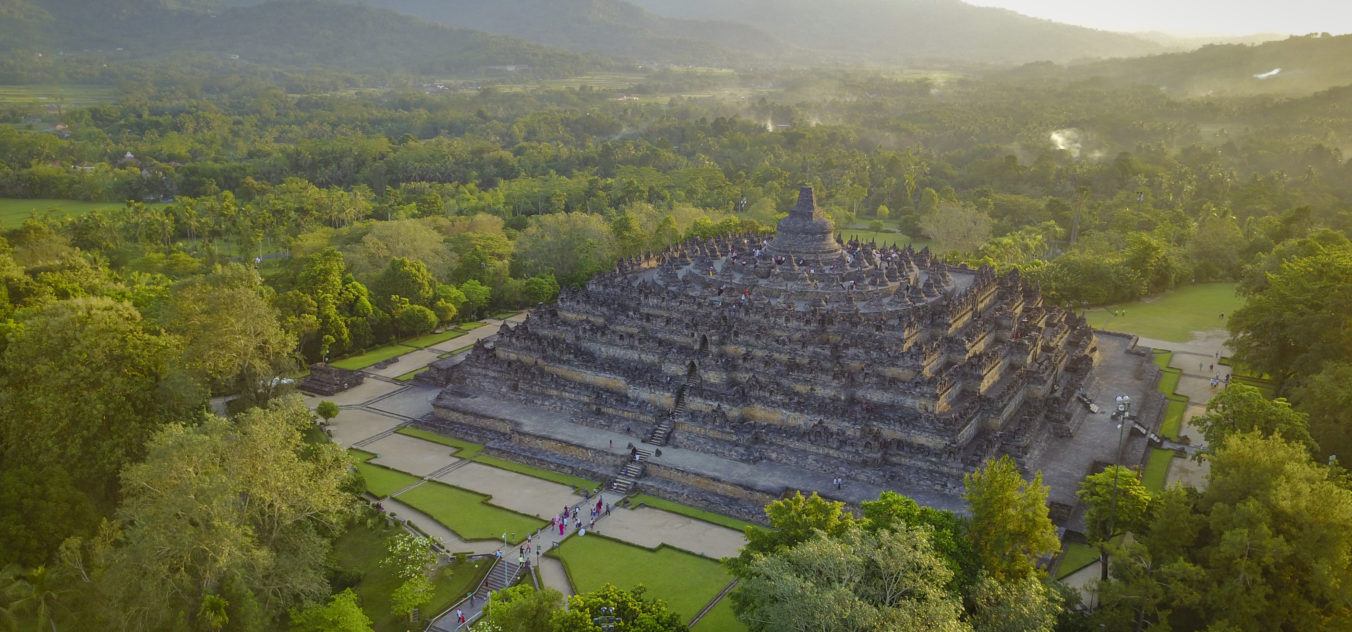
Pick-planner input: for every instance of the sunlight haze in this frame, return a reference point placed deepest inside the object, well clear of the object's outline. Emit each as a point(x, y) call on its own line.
point(1191, 17)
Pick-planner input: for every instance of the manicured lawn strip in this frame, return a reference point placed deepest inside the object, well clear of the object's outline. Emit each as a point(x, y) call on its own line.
point(423, 342)
point(1156, 471)
point(1173, 315)
point(360, 456)
point(720, 619)
point(383, 481)
point(504, 315)
point(468, 514)
point(379, 354)
point(1076, 556)
point(689, 512)
point(464, 449)
point(1163, 358)
point(456, 352)
point(1169, 380)
point(359, 551)
point(469, 326)
point(408, 377)
point(684, 580)
point(1174, 407)
point(576, 482)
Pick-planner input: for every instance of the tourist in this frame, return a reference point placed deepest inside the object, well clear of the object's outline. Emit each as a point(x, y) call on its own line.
point(607, 509)
point(581, 532)
point(460, 616)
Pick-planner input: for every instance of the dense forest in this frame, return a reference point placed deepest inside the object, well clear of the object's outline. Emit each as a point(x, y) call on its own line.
point(306, 203)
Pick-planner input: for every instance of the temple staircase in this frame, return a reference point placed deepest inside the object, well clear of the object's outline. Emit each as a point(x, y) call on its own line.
point(630, 473)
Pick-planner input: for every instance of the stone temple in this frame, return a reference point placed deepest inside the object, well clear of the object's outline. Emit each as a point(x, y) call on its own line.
point(728, 372)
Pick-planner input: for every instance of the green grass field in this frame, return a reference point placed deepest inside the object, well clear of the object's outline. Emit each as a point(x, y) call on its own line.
point(1163, 358)
point(464, 449)
point(379, 354)
point(1074, 557)
point(720, 619)
point(684, 580)
point(358, 553)
point(1173, 315)
point(422, 342)
point(408, 377)
point(71, 96)
point(1169, 380)
point(690, 512)
point(468, 514)
point(13, 211)
point(383, 481)
point(1156, 471)
point(1174, 408)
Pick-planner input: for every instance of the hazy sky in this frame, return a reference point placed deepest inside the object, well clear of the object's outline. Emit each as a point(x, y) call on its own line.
point(1193, 17)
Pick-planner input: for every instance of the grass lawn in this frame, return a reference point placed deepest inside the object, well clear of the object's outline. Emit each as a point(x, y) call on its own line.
point(363, 360)
point(1169, 380)
point(469, 326)
point(358, 552)
point(1173, 315)
point(504, 315)
point(684, 580)
point(383, 481)
point(468, 514)
point(464, 449)
point(1163, 358)
point(1157, 469)
point(422, 342)
point(1076, 556)
point(13, 211)
point(1175, 406)
point(576, 482)
point(689, 512)
point(720, 619)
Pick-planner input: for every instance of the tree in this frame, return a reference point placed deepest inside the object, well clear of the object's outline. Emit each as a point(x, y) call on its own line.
point(521, 608)
point(1241, 408)
point(1116, 502)
point(883, 212)
point(571, 246)
point(477, 296)
point(857, 581)
point(1326, 397)
point(957, 227)
point(127, 383)
point(795, 519)
point(407, 278)
point(409, 556)
point(634, 611)
point(1010, 526)
point(1020, 605)
point(948, 533)
point(409, 319)
point(40, 505)
point(411, 596)
point(340, 614)
point(232, 338)
point(234, 508)
point(326, 410)
point(1297, 323)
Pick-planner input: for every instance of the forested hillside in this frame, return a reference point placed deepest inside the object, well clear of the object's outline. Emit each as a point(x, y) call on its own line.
point(887, 31)
point(282, 33)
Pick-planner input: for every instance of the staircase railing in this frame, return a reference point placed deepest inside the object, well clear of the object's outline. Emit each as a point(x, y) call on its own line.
point(433, 621)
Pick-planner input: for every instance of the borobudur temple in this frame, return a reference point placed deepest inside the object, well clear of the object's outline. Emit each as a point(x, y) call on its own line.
point(726, 372)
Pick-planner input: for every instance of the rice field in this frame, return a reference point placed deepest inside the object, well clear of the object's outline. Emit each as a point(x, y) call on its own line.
point(73, 96)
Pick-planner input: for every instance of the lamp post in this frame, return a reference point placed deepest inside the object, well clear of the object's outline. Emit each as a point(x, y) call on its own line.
point(1123, 418)
point(607, 620)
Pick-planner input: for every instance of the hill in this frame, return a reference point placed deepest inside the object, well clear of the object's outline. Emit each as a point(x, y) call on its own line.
point(888, 31)
point(283, 33)
point(610, 27)
point(1292, 67)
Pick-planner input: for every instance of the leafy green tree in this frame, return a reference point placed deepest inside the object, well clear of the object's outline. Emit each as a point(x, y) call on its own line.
point(409, 556)
point(249, 524)
point(326, 410)
point(411, 596)
point(571, 246)
point(126, 379)
point(477, 297)
point(407, 278)
point(1020, 605)
point(1115, 502)
point(948, 533)
point(1010, 527)
point(521, 608)
point(1298, 321)
point(795, 519)
point(409, 319)
point(633, 609)
point(1241, 408)
point(1327, 398)
point(856, 581)
point(957, 227)
point(232, 338)
point(341, 614)
point(40, 505)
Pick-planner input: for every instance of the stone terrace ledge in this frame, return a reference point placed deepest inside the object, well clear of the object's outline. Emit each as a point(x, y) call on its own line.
point(766, 477)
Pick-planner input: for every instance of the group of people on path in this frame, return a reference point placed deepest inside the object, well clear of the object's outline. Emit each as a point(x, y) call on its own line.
point(569, 517)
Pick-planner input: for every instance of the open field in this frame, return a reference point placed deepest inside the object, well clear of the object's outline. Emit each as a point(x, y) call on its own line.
point(13, 211)
point(1174, 315)
point(720, 619)
point(684, 580)
point(52, 94)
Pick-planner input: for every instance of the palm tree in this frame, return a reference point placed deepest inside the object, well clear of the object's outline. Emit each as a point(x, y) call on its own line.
point(40, 596)
point(12, 589)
